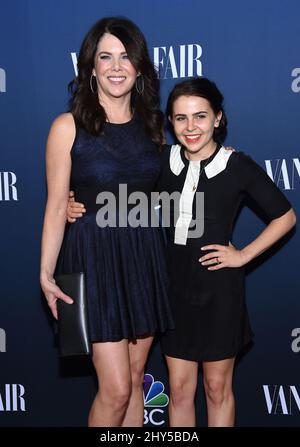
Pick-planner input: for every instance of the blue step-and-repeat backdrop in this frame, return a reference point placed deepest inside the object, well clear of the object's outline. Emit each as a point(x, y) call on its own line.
point(251, 49)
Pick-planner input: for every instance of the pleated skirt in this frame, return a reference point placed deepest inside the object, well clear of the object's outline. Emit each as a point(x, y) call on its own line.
point(126, 278)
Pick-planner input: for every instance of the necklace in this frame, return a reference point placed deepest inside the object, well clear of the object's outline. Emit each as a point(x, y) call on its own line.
point(194, 165)
point(196, 176)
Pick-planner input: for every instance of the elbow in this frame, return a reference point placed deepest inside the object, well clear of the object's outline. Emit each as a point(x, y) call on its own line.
point(287, 221)
point(291, 219)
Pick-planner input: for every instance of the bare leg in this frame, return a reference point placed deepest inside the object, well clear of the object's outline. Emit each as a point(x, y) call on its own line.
point(138, 354)
point(111, 361)
point(217, 378)
point(183, 377)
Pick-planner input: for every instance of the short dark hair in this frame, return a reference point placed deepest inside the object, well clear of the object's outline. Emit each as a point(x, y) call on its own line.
point(204, 88)
point(84, 104)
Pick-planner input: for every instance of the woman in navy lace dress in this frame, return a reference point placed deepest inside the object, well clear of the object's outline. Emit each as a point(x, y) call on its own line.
point(110, 138)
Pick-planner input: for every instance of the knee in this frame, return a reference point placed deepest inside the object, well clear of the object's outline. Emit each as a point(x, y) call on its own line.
point(117, 395)
point(215, 390)
point(182, 391)
point(137, 373)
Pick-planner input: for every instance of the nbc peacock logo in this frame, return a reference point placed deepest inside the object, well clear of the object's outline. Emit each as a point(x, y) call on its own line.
point(154, 400)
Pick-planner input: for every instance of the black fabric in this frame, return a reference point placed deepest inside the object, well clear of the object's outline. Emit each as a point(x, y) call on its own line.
point(209, 307)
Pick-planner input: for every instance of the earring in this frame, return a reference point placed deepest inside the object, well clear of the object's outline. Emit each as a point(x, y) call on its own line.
point(91, 84)
point(140, 84)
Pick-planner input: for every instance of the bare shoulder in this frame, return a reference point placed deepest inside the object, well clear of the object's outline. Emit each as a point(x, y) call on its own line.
point(62, 132)
point(64, 123)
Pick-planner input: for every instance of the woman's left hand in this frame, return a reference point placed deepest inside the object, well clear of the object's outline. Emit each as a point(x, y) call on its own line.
point(222, 256)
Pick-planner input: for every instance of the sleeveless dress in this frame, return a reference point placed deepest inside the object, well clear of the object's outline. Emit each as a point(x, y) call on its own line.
point(126, 278)
point(209, 307)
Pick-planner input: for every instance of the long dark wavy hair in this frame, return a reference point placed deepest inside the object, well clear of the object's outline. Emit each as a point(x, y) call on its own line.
point(204, 88)
point(84, 104)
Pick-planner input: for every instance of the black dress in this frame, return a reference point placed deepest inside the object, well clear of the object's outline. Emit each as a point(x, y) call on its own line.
point(210, 314)
point(125, 268)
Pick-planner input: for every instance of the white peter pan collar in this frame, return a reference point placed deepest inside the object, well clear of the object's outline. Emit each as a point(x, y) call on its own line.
point(176, 163)
point(214, 167)
point(218, 163)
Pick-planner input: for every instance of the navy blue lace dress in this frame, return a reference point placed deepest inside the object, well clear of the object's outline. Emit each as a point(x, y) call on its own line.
point(125, 269)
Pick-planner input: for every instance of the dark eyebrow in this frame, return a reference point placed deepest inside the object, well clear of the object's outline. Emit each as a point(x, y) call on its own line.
point(194, 114)
point(108, 52)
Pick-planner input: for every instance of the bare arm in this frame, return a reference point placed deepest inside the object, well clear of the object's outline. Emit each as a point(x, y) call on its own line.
point(229, 256)
point(58, 169)
point(276, 229)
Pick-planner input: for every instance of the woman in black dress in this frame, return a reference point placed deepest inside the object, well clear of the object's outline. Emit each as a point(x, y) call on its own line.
point(110, 137)
point(206, 272)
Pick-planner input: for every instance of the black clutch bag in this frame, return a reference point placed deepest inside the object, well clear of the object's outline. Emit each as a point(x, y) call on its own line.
point(73, 335)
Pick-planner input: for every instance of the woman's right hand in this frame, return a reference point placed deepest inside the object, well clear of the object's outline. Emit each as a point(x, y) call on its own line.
point(52, 293)
point(75, 209)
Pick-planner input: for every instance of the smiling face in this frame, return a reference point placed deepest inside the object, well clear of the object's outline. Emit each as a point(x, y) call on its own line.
point(114, 72)
point(194, 122)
